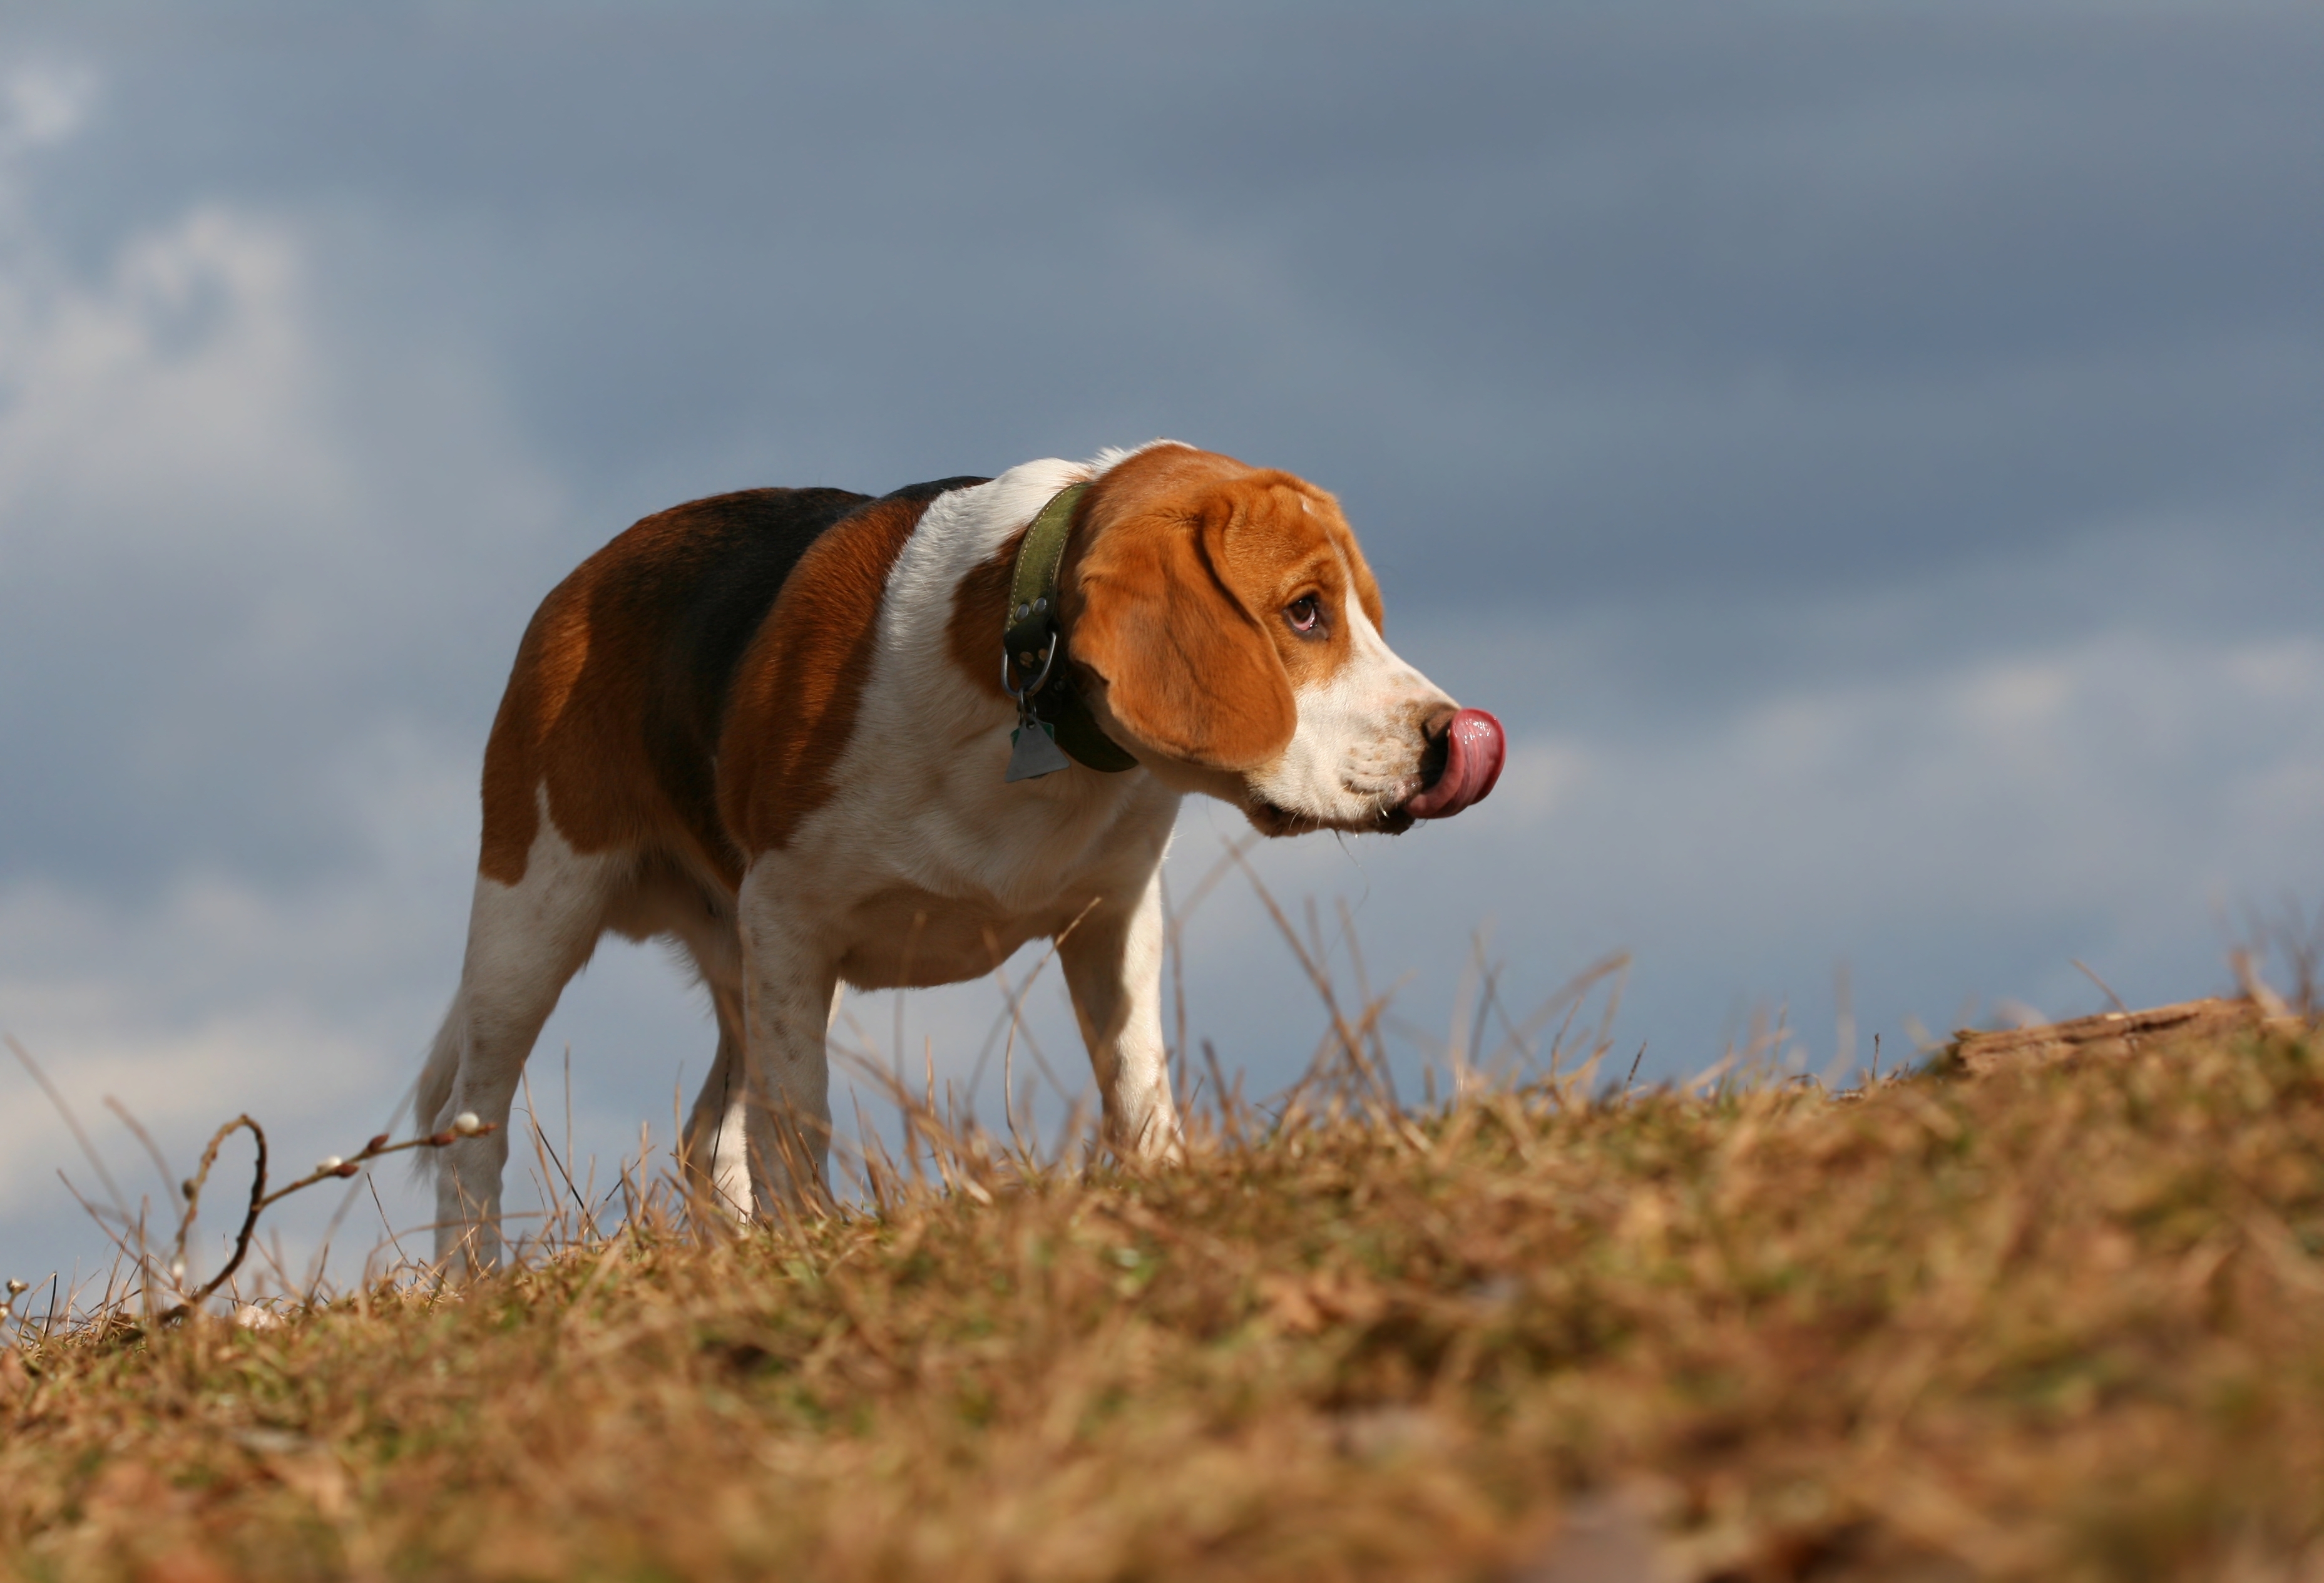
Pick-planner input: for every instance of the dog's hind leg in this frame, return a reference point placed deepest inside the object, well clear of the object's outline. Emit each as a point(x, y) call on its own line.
point(717, 1156)
point(700, 917)
point(525, 941)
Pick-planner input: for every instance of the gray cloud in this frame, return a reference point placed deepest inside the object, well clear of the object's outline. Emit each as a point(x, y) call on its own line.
point(1755, 296)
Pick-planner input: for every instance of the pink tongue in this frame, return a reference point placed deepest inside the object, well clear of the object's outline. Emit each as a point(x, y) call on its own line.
point(1472, 763)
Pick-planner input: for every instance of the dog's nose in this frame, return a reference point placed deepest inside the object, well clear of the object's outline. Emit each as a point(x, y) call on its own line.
point(1463, 761)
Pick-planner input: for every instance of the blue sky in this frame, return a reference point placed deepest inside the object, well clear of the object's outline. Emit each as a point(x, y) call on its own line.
point(1871, 457)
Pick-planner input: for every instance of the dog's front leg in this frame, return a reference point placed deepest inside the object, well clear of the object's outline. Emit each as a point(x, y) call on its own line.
point(789, 981)
point(1113, 969)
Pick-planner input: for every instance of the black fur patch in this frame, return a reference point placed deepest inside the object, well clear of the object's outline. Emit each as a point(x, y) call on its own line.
point(708, 591)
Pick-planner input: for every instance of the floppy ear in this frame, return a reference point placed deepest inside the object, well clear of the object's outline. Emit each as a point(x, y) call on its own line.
point(1187, 667)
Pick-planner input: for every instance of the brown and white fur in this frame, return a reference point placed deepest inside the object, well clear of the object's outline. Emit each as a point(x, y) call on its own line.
point(771, 727)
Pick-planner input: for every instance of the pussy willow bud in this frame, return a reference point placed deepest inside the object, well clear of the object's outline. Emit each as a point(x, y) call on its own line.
point(4, 1311)
point(375, 1144)
point(15, 1287)
point(466, 1124)
point(328, 1163)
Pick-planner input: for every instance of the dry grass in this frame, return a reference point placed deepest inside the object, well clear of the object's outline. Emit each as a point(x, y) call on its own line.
point(2058, 1325)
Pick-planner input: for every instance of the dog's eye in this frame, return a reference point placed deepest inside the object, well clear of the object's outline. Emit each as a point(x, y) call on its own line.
point(1303, 613)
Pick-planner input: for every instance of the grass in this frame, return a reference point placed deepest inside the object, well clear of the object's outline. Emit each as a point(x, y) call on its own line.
point(2056, 1324)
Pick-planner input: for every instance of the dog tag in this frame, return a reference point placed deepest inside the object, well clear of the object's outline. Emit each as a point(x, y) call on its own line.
point(1033, 750)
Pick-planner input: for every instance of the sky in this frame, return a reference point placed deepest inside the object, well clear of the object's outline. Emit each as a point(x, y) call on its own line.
point(1872, 459)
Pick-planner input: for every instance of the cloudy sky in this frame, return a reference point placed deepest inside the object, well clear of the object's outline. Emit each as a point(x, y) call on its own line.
point(1871, 457)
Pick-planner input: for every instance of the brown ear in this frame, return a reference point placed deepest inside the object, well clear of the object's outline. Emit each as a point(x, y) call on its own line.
point(1187, 667)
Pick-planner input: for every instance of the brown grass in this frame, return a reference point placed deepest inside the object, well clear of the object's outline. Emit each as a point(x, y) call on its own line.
point(2065, 1324)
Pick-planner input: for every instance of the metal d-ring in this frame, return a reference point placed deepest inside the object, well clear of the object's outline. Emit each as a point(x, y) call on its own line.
point(1048, 659)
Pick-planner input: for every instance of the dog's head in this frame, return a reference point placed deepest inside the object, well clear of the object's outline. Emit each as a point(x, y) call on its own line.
point(1228, 631)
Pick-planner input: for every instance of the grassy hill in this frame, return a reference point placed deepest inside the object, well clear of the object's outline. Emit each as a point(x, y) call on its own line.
point(2052, 1325)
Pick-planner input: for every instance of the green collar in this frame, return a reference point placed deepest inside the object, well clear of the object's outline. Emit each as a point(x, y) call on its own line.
point(1029, 650)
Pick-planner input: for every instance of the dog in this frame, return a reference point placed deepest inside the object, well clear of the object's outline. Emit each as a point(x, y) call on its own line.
point(817, 739)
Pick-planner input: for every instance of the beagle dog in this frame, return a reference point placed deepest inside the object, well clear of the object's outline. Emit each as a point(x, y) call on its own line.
point(820, 739)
